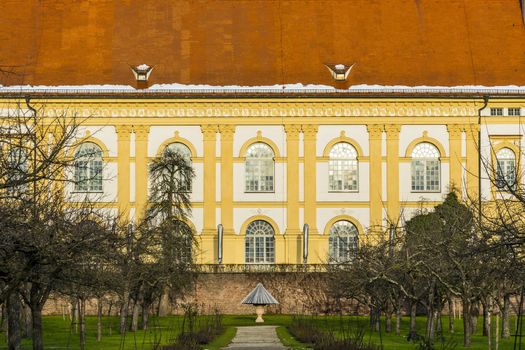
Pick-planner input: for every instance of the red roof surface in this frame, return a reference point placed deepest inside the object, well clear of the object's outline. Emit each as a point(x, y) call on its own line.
point(255, 42)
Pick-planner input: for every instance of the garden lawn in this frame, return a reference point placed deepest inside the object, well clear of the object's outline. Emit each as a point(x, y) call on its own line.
point(163, 330)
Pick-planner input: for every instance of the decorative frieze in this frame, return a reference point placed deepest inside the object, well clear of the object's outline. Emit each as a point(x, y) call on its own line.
point(213, 109)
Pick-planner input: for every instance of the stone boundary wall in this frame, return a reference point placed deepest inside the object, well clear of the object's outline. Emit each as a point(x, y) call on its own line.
point(297, 292)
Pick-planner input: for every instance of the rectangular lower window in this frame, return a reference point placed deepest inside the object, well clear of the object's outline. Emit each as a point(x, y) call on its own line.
point(496, 111)
point(514, 111)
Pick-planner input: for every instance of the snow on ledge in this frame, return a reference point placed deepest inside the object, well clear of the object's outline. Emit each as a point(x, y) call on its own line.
point(286, 88)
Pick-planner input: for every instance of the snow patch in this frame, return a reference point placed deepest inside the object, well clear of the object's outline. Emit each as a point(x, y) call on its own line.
point(237, 87)
point(290, 88)
point(142, 67)
point(16, 88)
point(479, 88)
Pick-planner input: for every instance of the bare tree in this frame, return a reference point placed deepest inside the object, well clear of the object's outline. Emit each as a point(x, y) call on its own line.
point(158, 257)
point(33, 165)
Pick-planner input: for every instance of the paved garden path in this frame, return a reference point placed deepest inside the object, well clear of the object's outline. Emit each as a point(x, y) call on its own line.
point(256, 337)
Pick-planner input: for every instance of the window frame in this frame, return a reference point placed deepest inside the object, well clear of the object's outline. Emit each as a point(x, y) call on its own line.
point(89, 161)
point(425, 162)
point(498, 162)
point(259, 160)
point(496, 111)
point(355, 166)
point(351, 243)
point(189, 155)
point(514, 111)
point(265, 239)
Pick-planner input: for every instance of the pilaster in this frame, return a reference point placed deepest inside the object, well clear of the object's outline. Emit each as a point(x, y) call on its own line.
point(141, 170)
point(310, 176)
point(375, 138)
point(455, 133)
point(209, 232)
point(229, 252)
point(392, 172)
point(227, 132)
point(472, 161)
point(292, 189)
point(123, 163)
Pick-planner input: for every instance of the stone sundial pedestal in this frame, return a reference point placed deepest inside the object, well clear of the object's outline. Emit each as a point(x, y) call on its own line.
point(259, 297)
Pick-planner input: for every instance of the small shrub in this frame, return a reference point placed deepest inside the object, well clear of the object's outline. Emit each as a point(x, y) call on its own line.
point(306, 331)
point(197, 330)
point(424, 343)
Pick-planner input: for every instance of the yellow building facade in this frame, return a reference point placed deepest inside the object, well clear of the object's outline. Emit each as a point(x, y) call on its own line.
point(304, 181)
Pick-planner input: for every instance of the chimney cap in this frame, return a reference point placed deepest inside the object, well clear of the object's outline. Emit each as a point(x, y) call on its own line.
point(142, 71)
point(339, 71)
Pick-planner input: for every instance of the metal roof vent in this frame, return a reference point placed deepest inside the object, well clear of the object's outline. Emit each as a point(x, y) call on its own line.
point(339, 71)
point(142, 73)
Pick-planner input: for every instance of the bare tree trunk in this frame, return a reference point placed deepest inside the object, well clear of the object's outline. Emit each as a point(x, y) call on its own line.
point(474, 313)
point(145, 316)
point(430, 323)
point(371, 316)
point(14, 309)
point(497, 331)
point(438, 322)
point(99, 319)
point(430, 313)
point(3, 318)
point(466, 324)
point(388, 322)
point(109, 317)
point(74, 316)
point(450, 316)
point(36, 315)
point(136, 309)
point(398, 321)
point(413, 325)
point(124, 312)
point(82, 321)
point(488, 317)
point(485, 319)
point(27, 322)
point(505, 317)
point(164, 303)
point(135, 316)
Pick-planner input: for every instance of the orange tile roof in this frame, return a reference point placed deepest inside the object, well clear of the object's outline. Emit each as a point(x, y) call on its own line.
point(263, 42)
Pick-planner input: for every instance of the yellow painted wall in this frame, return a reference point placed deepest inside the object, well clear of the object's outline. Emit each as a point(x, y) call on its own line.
point(219, 119)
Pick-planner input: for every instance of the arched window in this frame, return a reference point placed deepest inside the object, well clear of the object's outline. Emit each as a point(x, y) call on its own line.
point(343, 241)
point(260, 243)
point(259, 168)
point(425, 168)
point(17, 168)
point(88, 168)
point(342, 167)
point(184, 152)
point(505, 168)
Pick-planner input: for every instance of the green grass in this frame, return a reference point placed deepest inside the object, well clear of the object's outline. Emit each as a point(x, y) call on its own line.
point(222, 340)
point(289, 341)
point(392, 342)
point(164, 330)
point(57, 334)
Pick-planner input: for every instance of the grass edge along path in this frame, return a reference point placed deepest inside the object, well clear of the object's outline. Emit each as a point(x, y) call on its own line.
point(289, 341)
point(223, 339)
